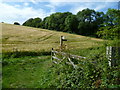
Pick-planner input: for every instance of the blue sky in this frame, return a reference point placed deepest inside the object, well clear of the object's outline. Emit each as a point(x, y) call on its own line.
point(22, 10)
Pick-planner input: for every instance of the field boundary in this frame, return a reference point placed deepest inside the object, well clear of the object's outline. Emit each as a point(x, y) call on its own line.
point(55, 59)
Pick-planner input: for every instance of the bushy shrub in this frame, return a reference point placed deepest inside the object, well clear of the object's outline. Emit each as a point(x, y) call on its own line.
point(94, 72)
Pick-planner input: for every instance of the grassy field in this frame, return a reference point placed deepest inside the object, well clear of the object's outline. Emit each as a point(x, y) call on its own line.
point(33, 39)
point(32, 69)
point(27, 72)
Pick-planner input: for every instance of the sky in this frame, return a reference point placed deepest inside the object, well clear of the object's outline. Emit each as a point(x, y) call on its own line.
point(21, 10)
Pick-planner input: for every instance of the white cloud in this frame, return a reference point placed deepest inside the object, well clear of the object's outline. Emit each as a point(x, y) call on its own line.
point(17, 6)
point(10, 13)
point(79, 7)
point(19, 13)
point(92, 5)
point(26, 4)
point(52, 8)
point(35, 1)
point(99, 7)
point(81, 0)
point(52, 5)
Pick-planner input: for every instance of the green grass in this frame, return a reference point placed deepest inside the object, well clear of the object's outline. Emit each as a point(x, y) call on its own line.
point(27, 72)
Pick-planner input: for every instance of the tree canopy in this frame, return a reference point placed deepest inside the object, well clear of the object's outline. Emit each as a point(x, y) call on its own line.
point(33, 22)
point(86, 22)
point(16, 23)
point(111, 26)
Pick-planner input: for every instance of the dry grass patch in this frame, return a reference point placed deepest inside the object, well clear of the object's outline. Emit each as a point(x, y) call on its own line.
point(35, 39)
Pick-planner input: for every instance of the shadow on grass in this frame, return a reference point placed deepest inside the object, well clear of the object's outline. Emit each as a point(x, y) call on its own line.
point(19, 54)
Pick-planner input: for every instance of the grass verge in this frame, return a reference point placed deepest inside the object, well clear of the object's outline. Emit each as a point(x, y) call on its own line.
point(27, 72)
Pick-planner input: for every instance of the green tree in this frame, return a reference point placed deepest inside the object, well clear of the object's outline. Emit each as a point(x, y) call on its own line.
point(89, 21)
point(16, 23)
point(28, 22)
point(33, 22)
point(71, 24)
point(55, 21)
point(86, 22)
point(111, 25)
point(36, 22)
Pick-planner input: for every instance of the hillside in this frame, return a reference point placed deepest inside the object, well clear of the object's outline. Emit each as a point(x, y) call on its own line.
point(32, 66)
point(34, 39)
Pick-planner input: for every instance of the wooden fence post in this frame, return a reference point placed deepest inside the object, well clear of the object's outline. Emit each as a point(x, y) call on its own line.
point(62, 38)
point(52, 54)
point(113, 55)
point(61, 42)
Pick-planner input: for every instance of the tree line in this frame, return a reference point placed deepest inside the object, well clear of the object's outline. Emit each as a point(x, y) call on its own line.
point(87, 22)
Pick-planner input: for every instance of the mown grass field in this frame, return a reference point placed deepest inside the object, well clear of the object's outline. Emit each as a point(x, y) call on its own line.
point(33, 71)
point(33, 39)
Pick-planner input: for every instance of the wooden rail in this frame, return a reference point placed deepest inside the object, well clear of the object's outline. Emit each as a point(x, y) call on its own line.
point(70, 55)
point(65, 55)
point(112, 53)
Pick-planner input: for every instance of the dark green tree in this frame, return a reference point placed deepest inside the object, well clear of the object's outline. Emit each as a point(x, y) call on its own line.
point(33, 22)
point(71, 24)
point(36, 22)
point(28, 22)
point(89, 21)
point(56, 21)
point(86, 22)
point(16, 23)
point(111, 27)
